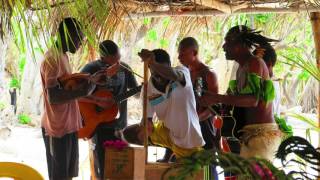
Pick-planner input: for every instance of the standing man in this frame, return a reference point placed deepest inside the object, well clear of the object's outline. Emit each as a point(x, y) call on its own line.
point(120, 81)
point(204, 80)
point(253, 90)
point(61, 119)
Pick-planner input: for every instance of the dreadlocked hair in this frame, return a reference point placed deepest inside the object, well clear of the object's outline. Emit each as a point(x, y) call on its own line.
point(253, 39)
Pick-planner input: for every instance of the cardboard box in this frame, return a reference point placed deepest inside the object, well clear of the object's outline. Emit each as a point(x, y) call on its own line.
point(126, 164)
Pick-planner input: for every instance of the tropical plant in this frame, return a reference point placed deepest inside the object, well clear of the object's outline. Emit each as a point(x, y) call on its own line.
point(24, 118)
point(254, 168)
point(2, 106)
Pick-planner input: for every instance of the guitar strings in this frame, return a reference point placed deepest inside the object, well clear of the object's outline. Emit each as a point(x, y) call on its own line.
point(219, 114)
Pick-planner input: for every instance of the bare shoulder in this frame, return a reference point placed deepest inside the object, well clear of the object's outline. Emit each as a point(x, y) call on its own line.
point(257, 66)
point(211, 76)
point(212, 81)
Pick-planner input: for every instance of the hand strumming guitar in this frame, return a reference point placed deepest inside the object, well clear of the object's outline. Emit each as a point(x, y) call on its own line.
point(99, 77)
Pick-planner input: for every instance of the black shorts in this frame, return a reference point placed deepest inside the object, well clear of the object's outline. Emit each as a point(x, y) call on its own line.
point(62, 156)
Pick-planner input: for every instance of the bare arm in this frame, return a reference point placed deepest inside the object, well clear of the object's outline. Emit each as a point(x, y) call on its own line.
point(241, 101)
point(163, 70)
point(58, 95)
point(256, 66)
point(167, 72)
point(212, 83)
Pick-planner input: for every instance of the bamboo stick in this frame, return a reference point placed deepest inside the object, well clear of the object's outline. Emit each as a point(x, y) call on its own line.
point(201, 13)
point(315, 21)
point(145, 105)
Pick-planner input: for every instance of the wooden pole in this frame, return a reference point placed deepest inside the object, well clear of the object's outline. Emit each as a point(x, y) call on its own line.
point(315, 21)
point(203, 13)
point(145, 105)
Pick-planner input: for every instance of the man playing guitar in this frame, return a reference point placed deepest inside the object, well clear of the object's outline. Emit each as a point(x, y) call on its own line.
point(61, 119)
point(119, 81)
point(253, 90)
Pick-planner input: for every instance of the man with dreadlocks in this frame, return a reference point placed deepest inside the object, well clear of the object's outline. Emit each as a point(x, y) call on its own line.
point(252, 90)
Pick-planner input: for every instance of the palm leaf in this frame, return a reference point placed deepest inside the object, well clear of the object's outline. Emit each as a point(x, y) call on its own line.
point(306, 65)
point(314, 125)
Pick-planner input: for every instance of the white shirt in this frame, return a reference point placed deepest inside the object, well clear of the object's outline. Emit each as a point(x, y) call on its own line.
point(176, 108)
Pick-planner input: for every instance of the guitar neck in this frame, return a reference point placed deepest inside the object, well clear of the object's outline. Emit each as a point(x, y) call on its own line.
point(127, 94)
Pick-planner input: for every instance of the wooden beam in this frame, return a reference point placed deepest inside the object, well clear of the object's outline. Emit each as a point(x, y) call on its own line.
point(202, 13)
point(315, 22)
point(215, 4)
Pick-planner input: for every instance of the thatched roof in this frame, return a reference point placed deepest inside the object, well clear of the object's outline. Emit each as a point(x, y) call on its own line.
point(103, 17)
point(216, 7)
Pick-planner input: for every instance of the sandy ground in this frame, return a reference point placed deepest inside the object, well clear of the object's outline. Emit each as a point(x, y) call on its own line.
point(25, 145)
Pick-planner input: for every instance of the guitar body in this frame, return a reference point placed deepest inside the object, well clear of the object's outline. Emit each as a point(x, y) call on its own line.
point(233, 119)
point(93, 115)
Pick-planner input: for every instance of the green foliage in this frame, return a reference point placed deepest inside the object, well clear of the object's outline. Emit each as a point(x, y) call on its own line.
point(230, 162)
point(283, 126)
point(306, 65)
point(152, 35)
point(147, 21)
point(166, 22)
point(2, 106)
point(304, 75)
point(263, 18)
point(314, 125)
point(164, 43)
point(15, 83)
point(24, 119)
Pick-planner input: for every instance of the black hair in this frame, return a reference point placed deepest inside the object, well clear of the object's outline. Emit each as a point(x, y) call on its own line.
point(130, 134)
point(252, 38)
point(108, 48)
point(161, 56)
point(269, 54)
point(189, 42)
point(249, 37)
point(69, 27)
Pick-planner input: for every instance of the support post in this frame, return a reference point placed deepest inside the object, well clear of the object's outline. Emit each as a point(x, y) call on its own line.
point(315, 22)
point(145, 104)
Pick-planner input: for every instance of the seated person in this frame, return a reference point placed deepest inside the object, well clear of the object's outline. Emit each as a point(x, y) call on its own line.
point(171, 100)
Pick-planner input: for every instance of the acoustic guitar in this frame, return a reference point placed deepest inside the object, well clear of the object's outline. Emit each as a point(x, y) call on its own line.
point(229, 114)
point(93, 115)
point(232, 117)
